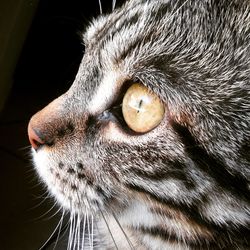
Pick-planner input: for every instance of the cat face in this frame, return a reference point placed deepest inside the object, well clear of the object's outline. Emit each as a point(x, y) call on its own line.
point(193, 163)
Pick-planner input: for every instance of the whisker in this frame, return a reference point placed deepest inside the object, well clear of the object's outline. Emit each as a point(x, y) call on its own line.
point(77, 234)
point(79, 226)
point(59, 231)
point(92, 230)
point(51, 236)
point(42, 196)
point(25, 148)
point(74, 232)
point(44, 214)
point(88, 226)
point(78, 231)
point(100, 6)
point(83, 231)
point(89, 233)
point(31, 178)
point(64, 229)
point(53, 215)
point(108, 229)
point(70, 233)
point(113, 4)
point(36, 185)
point(175, 11)
point(44, 199)
point(124, 233)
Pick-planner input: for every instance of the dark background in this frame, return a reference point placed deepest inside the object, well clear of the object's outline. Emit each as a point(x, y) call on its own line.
point(46, 68)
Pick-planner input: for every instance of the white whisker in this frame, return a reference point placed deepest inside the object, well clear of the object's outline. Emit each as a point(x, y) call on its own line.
point(100, 6)
point(113, 4)
point(78, 231)
point(70, 233)
point(89, 232)
point(54, 214)
point(83, 231)
point(109, 229)
point(175, 11)
point(74, 232)
point(52, 234)
point(59, 230)
point(39, 204)
point(124, 233)
point(92, 230)
point(44, 214)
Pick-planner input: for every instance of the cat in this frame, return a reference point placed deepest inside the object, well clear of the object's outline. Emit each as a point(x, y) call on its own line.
point(150, 146)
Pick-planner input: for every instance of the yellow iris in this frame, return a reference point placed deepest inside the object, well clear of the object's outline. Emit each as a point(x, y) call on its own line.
point(142, 110)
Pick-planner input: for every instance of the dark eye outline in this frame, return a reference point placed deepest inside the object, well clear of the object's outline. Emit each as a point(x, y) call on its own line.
point(114, 112)
point(138, 118)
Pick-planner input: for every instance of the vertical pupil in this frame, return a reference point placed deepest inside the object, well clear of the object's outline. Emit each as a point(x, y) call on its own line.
point(139, 106)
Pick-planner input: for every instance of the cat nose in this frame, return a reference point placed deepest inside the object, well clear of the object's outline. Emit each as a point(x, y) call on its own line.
point(35, 137)
point(40, 132)
point(44, 125)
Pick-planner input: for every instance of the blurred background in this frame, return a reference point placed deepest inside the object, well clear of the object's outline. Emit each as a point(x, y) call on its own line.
point(40, 51)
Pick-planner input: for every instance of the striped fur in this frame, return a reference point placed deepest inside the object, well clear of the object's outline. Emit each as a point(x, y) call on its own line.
point(186, 183)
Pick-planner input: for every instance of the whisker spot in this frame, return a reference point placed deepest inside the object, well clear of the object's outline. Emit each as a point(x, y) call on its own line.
point(71, 171)
point(81, 175)
point(61, 165)
point(79, 165)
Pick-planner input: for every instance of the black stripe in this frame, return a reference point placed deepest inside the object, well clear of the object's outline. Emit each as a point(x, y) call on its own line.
point(223, 237)
point(245, 152)
point(191, 211)
point(173, 239)
point(238, 240)
point(212, 166)
point(157, 15)
point(172, 169)
point(108, 28)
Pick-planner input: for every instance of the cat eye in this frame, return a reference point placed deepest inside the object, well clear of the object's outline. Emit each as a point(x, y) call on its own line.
point(142, 109)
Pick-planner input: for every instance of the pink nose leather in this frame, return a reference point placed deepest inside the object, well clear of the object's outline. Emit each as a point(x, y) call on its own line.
point(34, 139)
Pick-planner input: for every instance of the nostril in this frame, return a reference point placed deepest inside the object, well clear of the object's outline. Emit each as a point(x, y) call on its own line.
point(34, 138)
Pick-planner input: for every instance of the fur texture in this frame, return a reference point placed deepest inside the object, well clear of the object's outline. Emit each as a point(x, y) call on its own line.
point(186, 183)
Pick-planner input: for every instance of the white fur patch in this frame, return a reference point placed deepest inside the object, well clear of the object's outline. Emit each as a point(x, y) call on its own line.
point(106, 92)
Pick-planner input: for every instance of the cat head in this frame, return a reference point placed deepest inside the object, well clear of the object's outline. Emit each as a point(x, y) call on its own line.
point(191, 57)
